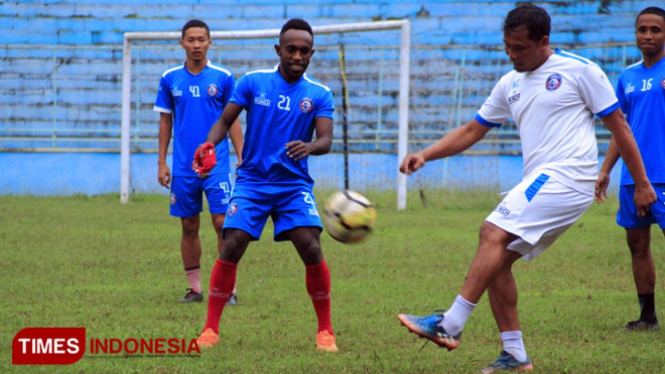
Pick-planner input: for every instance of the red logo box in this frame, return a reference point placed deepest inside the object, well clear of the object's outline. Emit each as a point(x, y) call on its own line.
point(48, 346)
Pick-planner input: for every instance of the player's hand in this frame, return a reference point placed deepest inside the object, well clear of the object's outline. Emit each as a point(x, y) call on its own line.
point(412, 162)
point(644, 196)
point(297, 149)
point(602, 183)
point(204, 159)
point(164, 175)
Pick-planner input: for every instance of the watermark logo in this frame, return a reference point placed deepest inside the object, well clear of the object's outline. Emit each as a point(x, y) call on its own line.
point(67, 345)
point(48, 346)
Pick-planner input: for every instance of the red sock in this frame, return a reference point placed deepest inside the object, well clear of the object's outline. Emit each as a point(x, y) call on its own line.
point(317, 280)
point(222, 281)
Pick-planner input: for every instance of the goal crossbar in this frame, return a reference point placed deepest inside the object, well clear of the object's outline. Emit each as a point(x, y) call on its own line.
point(404, 61)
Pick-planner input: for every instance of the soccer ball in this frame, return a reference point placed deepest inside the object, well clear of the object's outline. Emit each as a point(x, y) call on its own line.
point(348, 216)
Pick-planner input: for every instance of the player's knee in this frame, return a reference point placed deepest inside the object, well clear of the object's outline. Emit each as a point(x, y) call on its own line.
point(491, 235)
point(310, 252)
point(190, 226)
point(638, 245)
point(235, 244)
point(639, 249)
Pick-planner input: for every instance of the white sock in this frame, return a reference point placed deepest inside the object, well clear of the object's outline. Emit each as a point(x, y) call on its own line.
point(194, 278)
point(455, 318)
point(514, 345)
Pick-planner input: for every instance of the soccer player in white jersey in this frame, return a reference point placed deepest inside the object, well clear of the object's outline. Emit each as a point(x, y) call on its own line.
point(641, 93)
point(553, 96)
point(190, 98)
point(284, 108)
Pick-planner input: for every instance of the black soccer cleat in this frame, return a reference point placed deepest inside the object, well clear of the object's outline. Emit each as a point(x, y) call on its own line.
point(192, 297)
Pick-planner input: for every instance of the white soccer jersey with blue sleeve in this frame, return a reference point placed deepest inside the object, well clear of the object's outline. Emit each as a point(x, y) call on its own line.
point(641, 93)
point(553, 108)
point(196, 102)
point(277, 113)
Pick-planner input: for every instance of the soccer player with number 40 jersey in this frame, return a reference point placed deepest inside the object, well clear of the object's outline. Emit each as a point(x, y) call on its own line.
point(190, 98)
point(641, 93)
point(284, 108)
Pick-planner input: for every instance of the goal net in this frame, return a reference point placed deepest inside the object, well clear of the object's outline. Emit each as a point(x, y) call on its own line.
point(365, 64)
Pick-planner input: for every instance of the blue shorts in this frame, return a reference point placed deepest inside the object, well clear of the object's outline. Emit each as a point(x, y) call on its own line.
point(187, 194)
point(289, 207)
point(627, 215)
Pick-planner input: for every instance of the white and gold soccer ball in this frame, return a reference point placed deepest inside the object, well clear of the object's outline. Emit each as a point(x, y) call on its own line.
point(348, 216)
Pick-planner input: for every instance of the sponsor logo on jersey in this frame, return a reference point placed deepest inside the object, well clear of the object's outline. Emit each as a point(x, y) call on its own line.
point(173, 199)
point(212, 90)
point(233, 208)
point(306, 105)
point(553, 82)
point(513, 99)
point(502, 210)
point(175, 92)
point(629, 88)
point(261, 100)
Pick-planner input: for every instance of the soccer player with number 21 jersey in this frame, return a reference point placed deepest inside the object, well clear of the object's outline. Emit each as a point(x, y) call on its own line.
point(285, 107)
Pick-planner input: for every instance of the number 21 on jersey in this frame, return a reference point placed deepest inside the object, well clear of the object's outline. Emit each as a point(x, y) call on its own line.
point(284, 102)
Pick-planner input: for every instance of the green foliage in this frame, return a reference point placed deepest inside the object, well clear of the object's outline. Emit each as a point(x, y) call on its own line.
point(116, 270)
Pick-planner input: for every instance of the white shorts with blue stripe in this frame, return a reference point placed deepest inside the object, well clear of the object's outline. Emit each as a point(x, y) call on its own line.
point(538, 210)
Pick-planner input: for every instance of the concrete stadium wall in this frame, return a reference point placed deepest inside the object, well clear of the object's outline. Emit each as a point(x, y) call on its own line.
point(434, 21)
point(31, 97)
point(44, 174)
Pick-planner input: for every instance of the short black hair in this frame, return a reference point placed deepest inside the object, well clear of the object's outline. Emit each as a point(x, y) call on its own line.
point(194, 23)
point(531, 17)
point(297, 24)
point(651, 10)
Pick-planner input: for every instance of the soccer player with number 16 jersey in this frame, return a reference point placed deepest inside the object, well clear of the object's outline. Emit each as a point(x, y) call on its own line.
point(284, 108)
point(641, 93)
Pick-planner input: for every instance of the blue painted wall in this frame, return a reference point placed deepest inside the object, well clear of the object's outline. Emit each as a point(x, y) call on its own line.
point(434, 21)
point(30, 98)
point(42, 174)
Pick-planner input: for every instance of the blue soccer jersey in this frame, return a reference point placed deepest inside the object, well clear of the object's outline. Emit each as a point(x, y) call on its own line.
point(277, 113)
point(196, 102)
point(641, 93)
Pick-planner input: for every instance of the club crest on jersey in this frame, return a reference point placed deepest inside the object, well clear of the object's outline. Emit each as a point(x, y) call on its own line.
point(233, 208)
point(212, 90)
point(553, 82)
point(306, 105)
point(662, 83)
point(173, 199)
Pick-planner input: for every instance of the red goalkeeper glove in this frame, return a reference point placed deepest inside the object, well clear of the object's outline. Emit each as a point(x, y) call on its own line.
point(204, 159)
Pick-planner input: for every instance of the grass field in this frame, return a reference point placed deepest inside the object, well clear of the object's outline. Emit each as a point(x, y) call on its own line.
point(115, 270)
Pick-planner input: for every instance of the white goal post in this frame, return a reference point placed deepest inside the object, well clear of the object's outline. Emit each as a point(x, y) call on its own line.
point(403, 102)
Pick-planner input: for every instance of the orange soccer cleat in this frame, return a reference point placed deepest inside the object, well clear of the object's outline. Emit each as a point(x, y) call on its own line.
point(207, 339)
point(325, 342)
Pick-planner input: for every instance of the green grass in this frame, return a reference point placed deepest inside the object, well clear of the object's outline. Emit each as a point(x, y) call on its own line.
point(116, 270)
